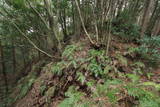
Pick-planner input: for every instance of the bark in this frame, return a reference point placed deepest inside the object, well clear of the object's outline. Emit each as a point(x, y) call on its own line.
point(156, 28)
point(76, 20)
point(145, 16)
point(52, 37)
point(14, 56)
point(3, 66)
point(83, 25)
point(155, 15)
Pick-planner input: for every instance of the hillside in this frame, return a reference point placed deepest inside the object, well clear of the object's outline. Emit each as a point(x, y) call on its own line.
point(87, 77)
point(79, 53)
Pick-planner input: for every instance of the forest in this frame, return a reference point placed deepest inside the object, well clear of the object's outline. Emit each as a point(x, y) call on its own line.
point(79, 53)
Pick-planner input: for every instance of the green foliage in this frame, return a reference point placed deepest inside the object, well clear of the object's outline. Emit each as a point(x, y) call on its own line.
point(58, 67)
point(68, 55)
point(96, 53)
point(151, 42)
point(74, 98)
point(42, 89)
point(133, 77)
point(122, 59)
point(19, 4)
point(107, 90)
point(69, 51)
point(124, 26)
point(138, 65)
point(134, 91)
point(95, 68)
point(81, 77)
point(26, 85)
point(149, 49)
point(157, 86)
point(146, 98)
point(98, 61)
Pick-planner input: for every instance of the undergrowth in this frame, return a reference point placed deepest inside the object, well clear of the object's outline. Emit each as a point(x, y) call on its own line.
point(148, 50)
point(105, 84)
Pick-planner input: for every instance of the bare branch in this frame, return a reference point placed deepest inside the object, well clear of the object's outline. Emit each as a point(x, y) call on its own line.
point(43, 20)
point(31, 41)
point(79, 11)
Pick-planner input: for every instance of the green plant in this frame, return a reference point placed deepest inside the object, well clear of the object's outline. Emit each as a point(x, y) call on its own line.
point(138, 64)
point(69, 51)
point(98, 62)
point(140, 91)
point(26, 85)
point(108, 89)
point(122, 59)
point(149, 48)
point(81, 77)
point(124, 27)
point(95, 68)
point(58, 67)
point(73, 98)
point(133, 77)
point(42, 89)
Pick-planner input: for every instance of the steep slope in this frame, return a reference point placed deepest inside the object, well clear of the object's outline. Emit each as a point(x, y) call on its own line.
point(87, 77)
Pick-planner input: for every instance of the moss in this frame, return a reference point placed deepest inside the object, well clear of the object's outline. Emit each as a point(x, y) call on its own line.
point(50, 93)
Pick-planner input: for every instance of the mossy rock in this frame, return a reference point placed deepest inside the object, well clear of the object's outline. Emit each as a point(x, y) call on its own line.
point(50, 92)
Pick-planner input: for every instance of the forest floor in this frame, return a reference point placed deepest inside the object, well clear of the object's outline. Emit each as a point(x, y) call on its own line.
point(42, 87)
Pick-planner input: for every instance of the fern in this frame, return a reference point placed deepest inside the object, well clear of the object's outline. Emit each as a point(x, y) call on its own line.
point(81, 77)
point(95, 68)
point(58, 67)
point(112, 95)
point(139, 64)
point(25, 88)
point(146, 98)
point(95, 53)
point(135, 78)
point(156, 86)
point(122, 59)
point(134, 91)
point(69, 50)
point(148, 103)
point(74, 97)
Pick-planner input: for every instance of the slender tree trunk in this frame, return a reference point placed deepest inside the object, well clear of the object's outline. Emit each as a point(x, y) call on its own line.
point(145, 16)
point(77, 23)
point(14, 56)
point(24, 59)
point(4, 71)
point(155, 15)
point(52, 36)
point(156, 28)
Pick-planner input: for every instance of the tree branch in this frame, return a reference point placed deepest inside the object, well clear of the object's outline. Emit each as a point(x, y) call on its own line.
point(43, 20)
point(31, 41)
point(79, 11)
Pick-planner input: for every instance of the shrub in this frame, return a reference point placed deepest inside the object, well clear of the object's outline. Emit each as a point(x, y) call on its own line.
point(124, 26)
point(149, 48)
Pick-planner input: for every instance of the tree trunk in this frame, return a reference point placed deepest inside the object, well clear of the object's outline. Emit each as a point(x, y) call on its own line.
point(145, 16)
point(4, 71)
point(155, 15)
point(14, 56)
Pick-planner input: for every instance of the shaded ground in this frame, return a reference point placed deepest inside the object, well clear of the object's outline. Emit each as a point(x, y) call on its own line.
point(48, 90)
